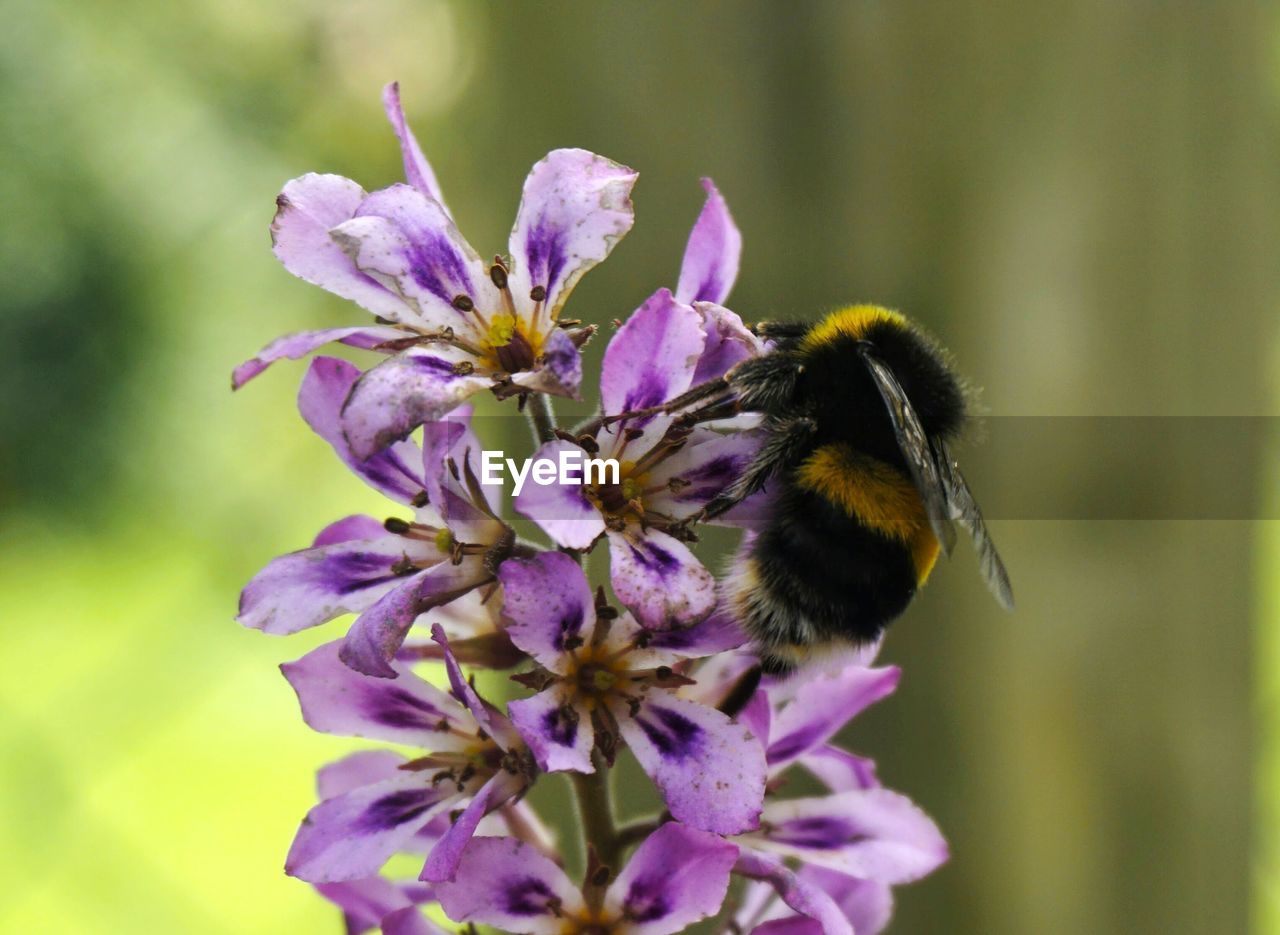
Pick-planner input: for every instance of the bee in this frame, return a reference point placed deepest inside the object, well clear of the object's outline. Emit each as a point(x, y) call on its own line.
point(858, 410)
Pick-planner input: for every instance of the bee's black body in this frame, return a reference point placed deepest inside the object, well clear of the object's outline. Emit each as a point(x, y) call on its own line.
point(858, 410)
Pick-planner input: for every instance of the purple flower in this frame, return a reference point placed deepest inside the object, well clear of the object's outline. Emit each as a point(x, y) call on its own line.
point(388, 573)
point(609, 680)
point(676, 877)
point(459, 324)
point(377, 903)
point(377, 803)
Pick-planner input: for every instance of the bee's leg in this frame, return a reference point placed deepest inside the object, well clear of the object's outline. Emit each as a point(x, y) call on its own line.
point(786, 441)
point(694, 395)
point(716, 409)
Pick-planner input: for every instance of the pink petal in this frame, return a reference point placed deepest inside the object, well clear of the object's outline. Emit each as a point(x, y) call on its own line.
point(362, 768)
point(549, 607)
point(652, 357)
point(804, 897)
point(558, 732)
point(442, 863)
point(711, 257)
point(508, 884)
point(417, 171)
point(823, 705)
point(729, 342)
point(358, 526)
point(659, 579)
point(302, 343)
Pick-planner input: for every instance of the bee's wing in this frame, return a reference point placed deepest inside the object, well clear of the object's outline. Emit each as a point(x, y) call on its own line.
point(964, 510)
point(916, 450)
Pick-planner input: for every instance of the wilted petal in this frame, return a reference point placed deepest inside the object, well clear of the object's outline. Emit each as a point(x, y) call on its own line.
point(493, 723)
point(442, 863)
point(677, 876)
point(306, 211)
point(417, 170)
point(729, 342)
point(711, 257)
point(562, 511)
point(307, 588)
point(558, 732)
point(352, 835)
point(652, 357)
point(508, 884)
point(873, 834)
point(711, 770)
point(867, 905)
point(823, 705)
point(396, 396)
point(804, 897)
point(302, 343)
point(378, 633)
point(662, 582)
point(708, 464)
point(348, 528)
point(576, 206)
point(407, 241)
point(336, 699)
point(548, 604)
point(559, 368)
point(362, 768)
point(839, 770)
point(394, 471)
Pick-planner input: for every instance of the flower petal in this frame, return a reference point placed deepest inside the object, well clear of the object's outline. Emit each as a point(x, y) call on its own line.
point(652, 357)
point(394, 471)
point(562, 511)
point(801, 895)
point(710, 770)
point(357, 526)
point(716, 634)
point(309, 587)
point(839, 770)
point(576, 206)
point(365, 903)
point(729, 342)
point(868, 905)
point(558, 370)
point(337, 700)
point(708, 464)
point(507, 883)
point(378, 633)
point(411, 921)
point(548, 605)
point(407, 242)
point(442, 863)
point(874, 834)
point(451, 439)
point(711, 257)
point(493, 723)
point(659, 579)
point(677, 876)
point(362, 768)
point(306, 210)
point(302, 343)
point(823, 705)
point(352, 835)
point(417, 171)
point(394, 397)
point(557, 731)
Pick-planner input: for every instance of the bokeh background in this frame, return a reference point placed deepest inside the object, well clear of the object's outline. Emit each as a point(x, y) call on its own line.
point(1079, 198)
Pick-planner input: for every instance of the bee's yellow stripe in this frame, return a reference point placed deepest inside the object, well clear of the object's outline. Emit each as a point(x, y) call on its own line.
point(876, 494)
point(852, 322)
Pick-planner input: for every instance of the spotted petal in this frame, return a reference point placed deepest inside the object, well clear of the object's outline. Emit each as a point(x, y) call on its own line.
point(548, 604)
point(508, 884)
point(301, 343)
point(711, 257)
point(662, 582)
point(711, 770)
point(576, 206)
point(558, 732)
point(394, 471)
point(676, 877)
point(309, 587)
point(351, 836)
point(307, 210)
point(337, 700)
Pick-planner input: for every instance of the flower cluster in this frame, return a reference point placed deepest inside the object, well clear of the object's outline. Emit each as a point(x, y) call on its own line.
point(657, 672)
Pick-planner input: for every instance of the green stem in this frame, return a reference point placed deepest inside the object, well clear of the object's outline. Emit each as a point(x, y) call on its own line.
point(541, 419)
point(599, 831)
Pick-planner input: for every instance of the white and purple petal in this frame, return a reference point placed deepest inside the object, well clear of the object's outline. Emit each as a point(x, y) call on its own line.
point(659, 579)
point(824, 704)
point(417, 170)
point(394, 397)
point(718, 633)
point(677, 876)
point(558, 369)
point(396, 470)
point(867, 905)
point(309, 587)
point(335, 699)
point(711, 770)
point(712, 254)
point(839, 770)
point(576, 207)
point(491, 721)
point(365, 903)
point(357, 526)
point(562, 511)
point(729, 342)
point(706, 466)
point(804, 897)
point(306, 211)
point(352, 835)
point(549, 607)
point(508, 884)
point(652, 357)
point(301, 343)
point(558, 731)
point(362, 768)
point(442, 862)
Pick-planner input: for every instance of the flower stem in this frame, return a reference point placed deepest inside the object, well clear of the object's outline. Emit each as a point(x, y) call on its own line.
point(599, 831)
point(541, 418)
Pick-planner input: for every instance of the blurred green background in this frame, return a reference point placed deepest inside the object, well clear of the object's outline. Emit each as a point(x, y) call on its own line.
point(1080, 199)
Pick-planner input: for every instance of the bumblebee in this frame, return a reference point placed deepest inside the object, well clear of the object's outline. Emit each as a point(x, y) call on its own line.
point(858, 410)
